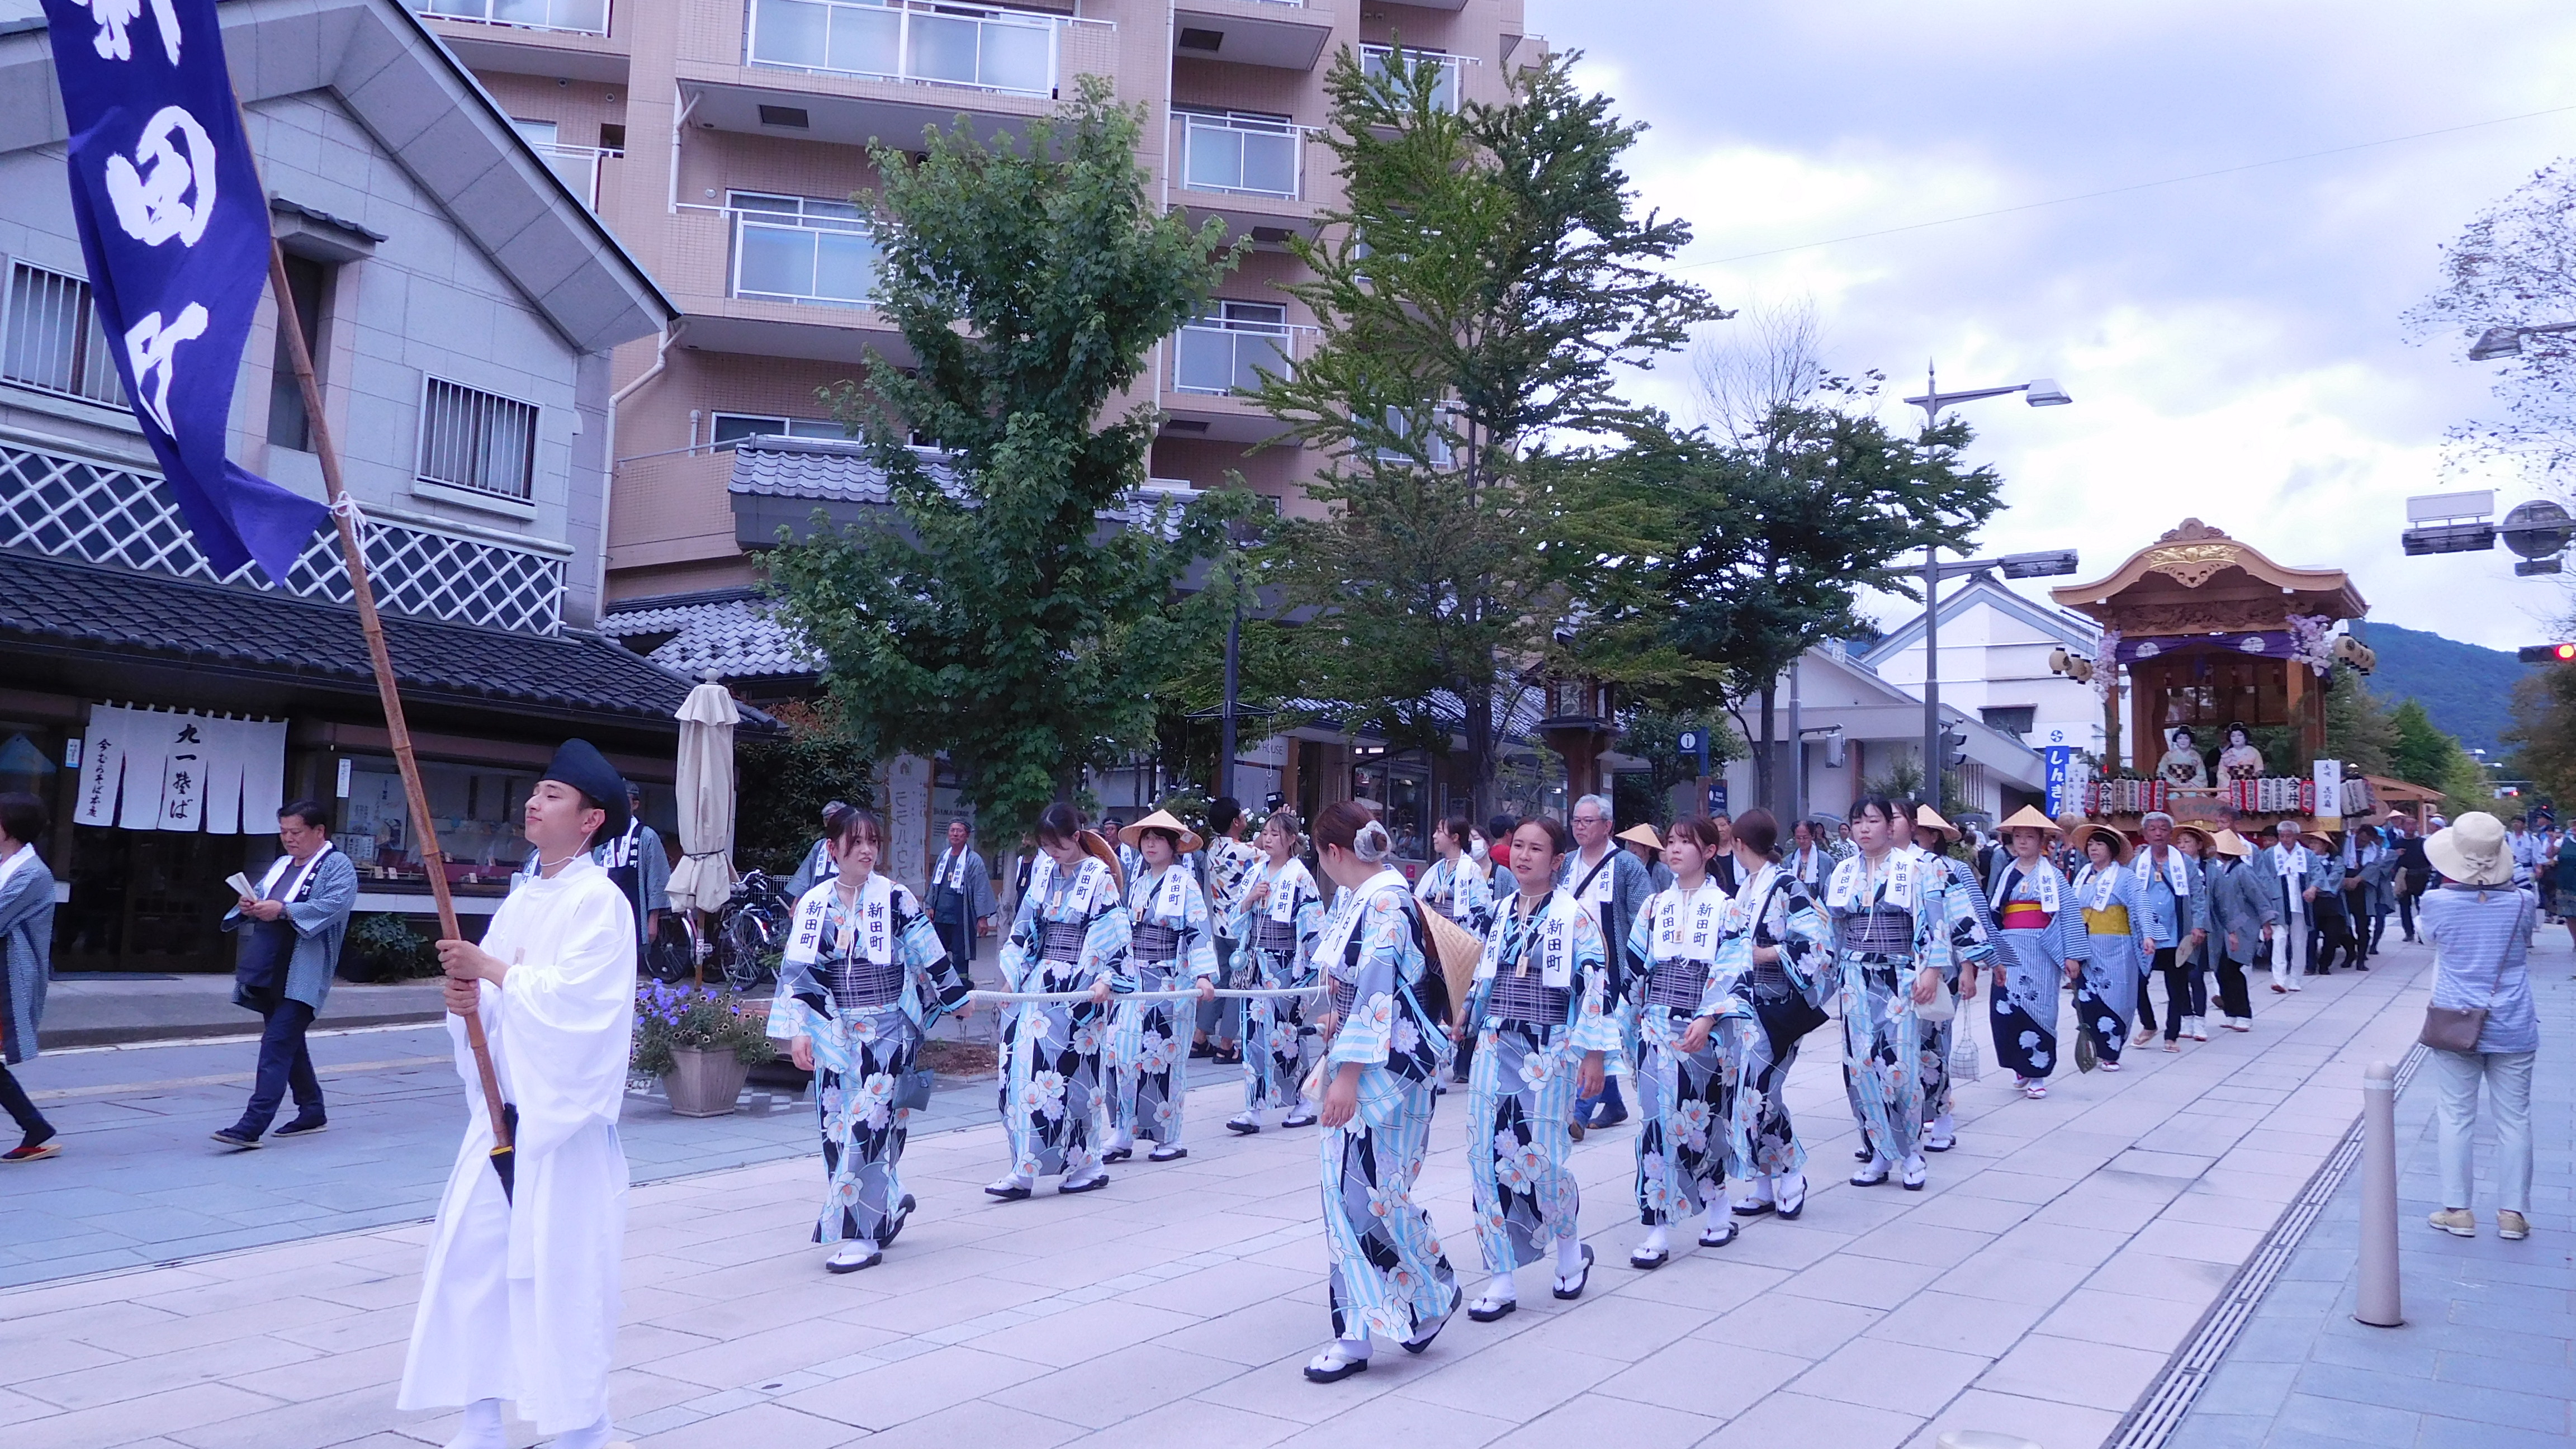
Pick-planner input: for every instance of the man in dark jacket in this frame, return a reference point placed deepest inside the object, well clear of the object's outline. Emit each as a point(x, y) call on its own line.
point(2414, 872)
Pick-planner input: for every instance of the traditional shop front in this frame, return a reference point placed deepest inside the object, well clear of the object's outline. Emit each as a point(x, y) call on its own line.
point(166, 720)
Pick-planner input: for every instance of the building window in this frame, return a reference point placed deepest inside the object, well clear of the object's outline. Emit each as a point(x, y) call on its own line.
point(732, 428)
point(1435, 446)
point(2013, 719)
point(1228, 349)
point(801, 249)
point(53, 338)
point(1249, 152)
point(477, 440)
point(309, 283)
point(584, 17)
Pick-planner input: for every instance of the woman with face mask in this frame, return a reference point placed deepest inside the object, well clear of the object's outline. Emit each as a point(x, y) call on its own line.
point(863, 979)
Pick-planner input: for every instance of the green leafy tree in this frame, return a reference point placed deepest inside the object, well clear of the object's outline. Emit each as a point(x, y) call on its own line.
point(2359, 729)
point(1002, 621)
point(1654, 735)
point(2544, 734)
point(2421, 754)
point(1782, 531)
point(785, 783)
point(1476, 295)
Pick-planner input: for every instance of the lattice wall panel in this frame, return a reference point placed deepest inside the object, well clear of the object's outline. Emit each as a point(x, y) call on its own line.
point(73, 508)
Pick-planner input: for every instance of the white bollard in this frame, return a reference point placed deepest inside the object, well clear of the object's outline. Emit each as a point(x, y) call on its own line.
point(2378, 1299)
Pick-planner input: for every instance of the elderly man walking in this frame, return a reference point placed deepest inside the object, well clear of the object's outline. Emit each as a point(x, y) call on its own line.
point(1614, 885)
point(290, 928)
point(961, 897)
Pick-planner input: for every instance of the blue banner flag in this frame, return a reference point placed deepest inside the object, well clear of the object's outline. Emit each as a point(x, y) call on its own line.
point(175, 229)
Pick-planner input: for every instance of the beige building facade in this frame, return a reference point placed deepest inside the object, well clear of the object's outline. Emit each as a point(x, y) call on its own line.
point(722, 141)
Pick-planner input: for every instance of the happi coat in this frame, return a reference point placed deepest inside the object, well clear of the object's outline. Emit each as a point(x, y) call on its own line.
point(519, 1299)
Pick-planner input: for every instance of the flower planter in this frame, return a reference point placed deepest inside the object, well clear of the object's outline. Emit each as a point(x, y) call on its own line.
point(702, 1083)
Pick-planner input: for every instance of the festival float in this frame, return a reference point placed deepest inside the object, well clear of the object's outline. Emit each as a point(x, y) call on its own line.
point(2228, 659)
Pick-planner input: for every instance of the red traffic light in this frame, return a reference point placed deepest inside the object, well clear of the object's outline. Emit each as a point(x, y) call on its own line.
point(2548, 653)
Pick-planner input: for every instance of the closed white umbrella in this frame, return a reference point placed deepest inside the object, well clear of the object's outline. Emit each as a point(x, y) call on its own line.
point(704, 877)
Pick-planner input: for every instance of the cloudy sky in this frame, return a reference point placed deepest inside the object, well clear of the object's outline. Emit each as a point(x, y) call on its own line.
point(2233, 343)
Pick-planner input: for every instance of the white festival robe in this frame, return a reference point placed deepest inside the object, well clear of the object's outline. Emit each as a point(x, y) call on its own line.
point(520, 1298)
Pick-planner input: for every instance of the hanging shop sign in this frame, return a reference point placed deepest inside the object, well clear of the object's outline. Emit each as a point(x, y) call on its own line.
point(163, 769)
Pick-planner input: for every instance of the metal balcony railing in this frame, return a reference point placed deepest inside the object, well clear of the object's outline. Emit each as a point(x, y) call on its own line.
point(1242, 155)
point(1010, 52)
point(578, 17)
point(578, 166)
point(788, 256)
point(1222, 358)
point(1444, 94)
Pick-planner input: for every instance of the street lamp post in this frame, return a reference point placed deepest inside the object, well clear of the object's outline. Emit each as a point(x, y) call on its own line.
point(2039, 392)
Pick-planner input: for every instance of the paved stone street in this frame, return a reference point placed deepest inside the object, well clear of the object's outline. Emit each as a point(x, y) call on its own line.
point(2486, 1358)
point(2061, 1254)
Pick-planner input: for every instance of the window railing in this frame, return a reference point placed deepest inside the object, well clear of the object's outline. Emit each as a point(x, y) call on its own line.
point(477, 440)
point(1247, 156)
point(53, 340)
point(1374, 60)
point(1221, 358)
point(1011, 52)
point(781, 255)
point(579, 17)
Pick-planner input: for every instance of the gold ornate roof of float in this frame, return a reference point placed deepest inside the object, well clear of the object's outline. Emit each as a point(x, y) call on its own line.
point(2197, 580)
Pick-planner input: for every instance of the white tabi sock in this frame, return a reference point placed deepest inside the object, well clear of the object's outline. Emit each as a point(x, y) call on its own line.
point(1656, 1242)
point(1353, 1347)
point(1499, 1289)
point(482, 1428)
point(594, 1437)
point(1569, 1256)
point(1718, 1216)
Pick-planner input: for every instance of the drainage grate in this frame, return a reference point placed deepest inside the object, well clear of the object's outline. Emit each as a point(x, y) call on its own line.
point(2161, 1411)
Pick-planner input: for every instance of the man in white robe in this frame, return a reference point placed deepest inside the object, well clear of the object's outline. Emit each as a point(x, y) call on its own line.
point(520, 1297)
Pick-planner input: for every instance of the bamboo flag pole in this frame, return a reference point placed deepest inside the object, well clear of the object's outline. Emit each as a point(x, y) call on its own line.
point(291, 327)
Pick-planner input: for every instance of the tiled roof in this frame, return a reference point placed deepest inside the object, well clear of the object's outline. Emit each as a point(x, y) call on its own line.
point(79, 608)
point(844, 470)
point(732, 633)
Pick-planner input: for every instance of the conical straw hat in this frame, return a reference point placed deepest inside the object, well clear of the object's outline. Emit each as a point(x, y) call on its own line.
point(2029, 818)
point(1134, 835)
point(1459, 951)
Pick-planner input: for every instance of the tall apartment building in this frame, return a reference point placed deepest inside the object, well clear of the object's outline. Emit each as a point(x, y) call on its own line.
point(722, 140)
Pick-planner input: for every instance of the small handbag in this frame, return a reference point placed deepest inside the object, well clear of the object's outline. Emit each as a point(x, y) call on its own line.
point(1966, 1065)
point(912, 1089)
point(1943, 1007)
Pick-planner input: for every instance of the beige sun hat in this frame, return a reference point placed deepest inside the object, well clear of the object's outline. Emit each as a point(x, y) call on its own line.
point(2472, 850)
point(1642, 835)
point(2029, 818)
point(1927, 818)
point(2228, 842)
point(1134, 834)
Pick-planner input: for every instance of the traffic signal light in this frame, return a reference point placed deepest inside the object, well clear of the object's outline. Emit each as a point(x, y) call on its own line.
point(1954, 747)
point(2549, 654)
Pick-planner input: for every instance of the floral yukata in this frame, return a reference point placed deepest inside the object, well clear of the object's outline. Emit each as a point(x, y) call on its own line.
point(1888, 925)
point(864, 980)
point(1685, 1100)
point(1389, 1276)
point(2032, 947)
point(1772, 909)
point(1279, 1041)
point(1071, 931)
point(1539, 1005)
point(2112, 944)
point(1171, 945)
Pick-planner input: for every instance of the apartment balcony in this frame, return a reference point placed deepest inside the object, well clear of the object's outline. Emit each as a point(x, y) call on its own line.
point(1374, 60)
point(778, 276)
point(578, 166)
point(1285, 34)
point(827, 70)
point(570, 39)
point(1212, 366)
point(1250, 170)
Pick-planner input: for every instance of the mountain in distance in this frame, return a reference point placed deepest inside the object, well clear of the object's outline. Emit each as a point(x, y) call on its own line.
point(2468, 690)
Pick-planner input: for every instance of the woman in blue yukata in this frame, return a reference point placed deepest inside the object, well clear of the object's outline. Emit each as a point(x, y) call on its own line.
point(1687, 1073)
point(1456, 884)
point(1170, 942)
point(2033, 944)
point(1892, 946)
point(1386, 1024)
point(1070, 936)
point(1971, 925)
point(2106, 959)
point(862, 980)
point(1274, 926)
point(1544, 1033)
point(1787, 976)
